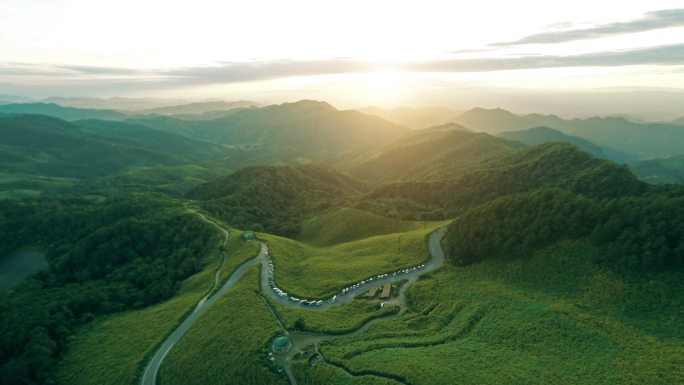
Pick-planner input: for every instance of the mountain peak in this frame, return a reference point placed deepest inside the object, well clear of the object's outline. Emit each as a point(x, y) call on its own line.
point(310, 104)
point(498, 112)
point(451, 126)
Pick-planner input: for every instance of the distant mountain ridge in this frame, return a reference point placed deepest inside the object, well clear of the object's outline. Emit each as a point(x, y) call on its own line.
point(660, 170)
point(415, 118)
point(57, 111)
point(198, 108)
point(115, 103)
point(620, 139)
point(303, 128)
point(539, 135)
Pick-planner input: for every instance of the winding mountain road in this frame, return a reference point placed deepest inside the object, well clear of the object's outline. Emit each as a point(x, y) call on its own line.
point(268, 286)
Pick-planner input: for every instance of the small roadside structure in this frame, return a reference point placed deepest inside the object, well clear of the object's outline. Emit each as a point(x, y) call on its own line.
point(372, 292)
point(282, 344)
point(248, 236)
point(386, 290)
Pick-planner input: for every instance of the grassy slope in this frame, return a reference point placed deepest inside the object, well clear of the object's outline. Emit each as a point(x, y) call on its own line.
point(226, 346)
point(113, 349)
point(551, 318)
point(334, 320)
point(238, 253)
point(297, 265)
point(321, 374)
point(348, 224)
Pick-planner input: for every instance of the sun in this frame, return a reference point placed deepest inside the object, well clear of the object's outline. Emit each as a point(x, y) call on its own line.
point(383, 86)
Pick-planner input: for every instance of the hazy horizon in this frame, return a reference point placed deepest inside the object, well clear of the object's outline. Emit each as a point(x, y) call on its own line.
point(530, 56)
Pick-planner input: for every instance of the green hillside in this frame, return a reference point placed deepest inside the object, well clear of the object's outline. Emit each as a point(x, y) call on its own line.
point(548, 165)
point(553, 316)
point(131, 335)
point(238, 356)
point(275, 198)
point(436, 153)
point(348, 224)
point(345, 263)
point(44, 154)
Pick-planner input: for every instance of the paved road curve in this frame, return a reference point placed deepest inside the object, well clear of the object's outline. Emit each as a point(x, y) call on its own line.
point(149, 376)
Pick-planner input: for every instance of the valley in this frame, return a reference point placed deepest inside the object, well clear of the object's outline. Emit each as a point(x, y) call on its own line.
point(182, 250)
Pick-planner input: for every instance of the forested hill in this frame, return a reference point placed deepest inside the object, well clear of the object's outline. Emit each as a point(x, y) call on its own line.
point(437, 153)
point(53, 147)
point(104, 256)
point(44, 154)
point(275, 198)
point(278, 198)
point(642, 232)
point(548, 193)
point(548, 165)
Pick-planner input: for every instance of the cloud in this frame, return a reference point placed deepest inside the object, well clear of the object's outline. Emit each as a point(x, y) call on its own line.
point(234, 72)
point(660, 55)
point(649, 21)
point(95, 70)
point(237, 72)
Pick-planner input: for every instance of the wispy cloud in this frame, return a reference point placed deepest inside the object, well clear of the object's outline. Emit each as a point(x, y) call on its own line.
point(254, 71)
point(236, 72)
point(95, 70)
point(650, 21)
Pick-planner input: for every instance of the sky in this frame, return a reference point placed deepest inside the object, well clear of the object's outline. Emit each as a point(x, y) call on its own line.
point(348, 52)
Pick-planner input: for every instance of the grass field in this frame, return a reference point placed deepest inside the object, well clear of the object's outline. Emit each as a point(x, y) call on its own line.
point(333, 320)
point(238, 252)
point(493, 323)
point(322, 374)
point(554, 317)
point(112, 350)
point(317, 272)
point(348, 224)
point(228, 344)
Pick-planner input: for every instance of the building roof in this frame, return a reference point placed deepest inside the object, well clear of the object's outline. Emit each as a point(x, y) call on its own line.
point(386, 290)
point(280, 343)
